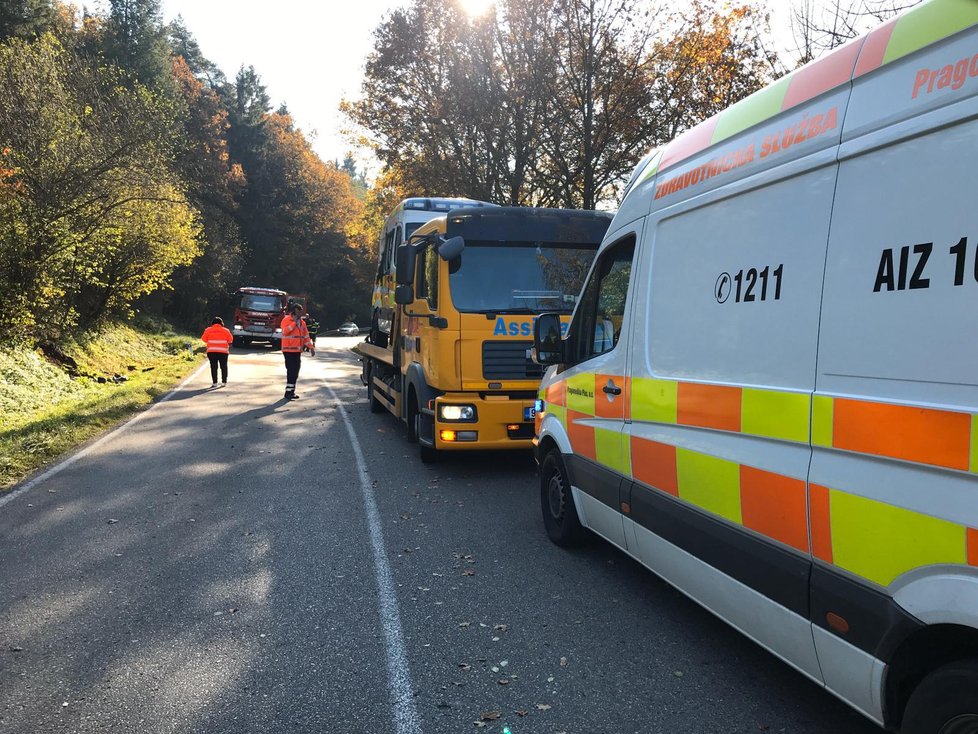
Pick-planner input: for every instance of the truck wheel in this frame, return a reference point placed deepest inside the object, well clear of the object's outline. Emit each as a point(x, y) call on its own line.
point(945, 701)
point(559, 514)
point(375, 405)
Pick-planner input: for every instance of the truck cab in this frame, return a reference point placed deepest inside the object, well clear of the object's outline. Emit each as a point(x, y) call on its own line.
point(469, 287)
point(258, 314)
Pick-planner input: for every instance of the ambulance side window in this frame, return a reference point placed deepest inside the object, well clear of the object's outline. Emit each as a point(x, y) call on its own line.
point(602, 308)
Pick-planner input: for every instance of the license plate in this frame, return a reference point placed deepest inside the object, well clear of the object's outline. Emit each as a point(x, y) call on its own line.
point(529, 414)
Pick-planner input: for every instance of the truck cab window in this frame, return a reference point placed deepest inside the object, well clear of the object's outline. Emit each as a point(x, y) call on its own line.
point(602, 308)
point(428, 277)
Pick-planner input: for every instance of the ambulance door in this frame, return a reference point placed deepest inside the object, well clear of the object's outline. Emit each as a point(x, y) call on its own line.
point(597, 390)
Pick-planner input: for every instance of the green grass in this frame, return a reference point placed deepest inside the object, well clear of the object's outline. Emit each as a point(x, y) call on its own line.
point(44, 412)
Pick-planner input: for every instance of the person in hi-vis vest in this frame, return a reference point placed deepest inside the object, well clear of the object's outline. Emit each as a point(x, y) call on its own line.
point(218, 340)
point(295, 338)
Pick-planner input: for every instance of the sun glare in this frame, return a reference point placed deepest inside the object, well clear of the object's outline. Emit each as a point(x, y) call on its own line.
point(475, 8)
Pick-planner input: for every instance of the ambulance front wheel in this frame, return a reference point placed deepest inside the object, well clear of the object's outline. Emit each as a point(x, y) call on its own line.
point(559, 513)
point(945, 701)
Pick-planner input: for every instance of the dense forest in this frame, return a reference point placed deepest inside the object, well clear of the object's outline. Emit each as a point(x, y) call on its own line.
point(134, 176)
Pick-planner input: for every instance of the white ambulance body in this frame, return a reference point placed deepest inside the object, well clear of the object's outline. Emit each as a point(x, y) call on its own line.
point(784, 424)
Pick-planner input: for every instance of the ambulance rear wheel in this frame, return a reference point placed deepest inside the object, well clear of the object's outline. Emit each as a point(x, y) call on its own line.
point(559, 513)
point(945, 702)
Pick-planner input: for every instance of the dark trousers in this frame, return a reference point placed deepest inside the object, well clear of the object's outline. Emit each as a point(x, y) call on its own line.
point(216, 359)
point(293, 360)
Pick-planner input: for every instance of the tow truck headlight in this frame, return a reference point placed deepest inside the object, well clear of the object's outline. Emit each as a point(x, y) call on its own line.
point(456, 412)
point(238, 327)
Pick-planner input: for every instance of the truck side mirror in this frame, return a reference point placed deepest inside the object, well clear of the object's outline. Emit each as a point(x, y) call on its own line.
point(548, 347)
point(451, 248)
point(404, 264)
point(404, 294)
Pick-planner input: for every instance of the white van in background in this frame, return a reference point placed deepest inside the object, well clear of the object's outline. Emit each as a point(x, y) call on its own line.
point(785, 423)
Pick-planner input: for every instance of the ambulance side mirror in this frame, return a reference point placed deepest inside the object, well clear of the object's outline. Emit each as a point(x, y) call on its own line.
point(548, 347)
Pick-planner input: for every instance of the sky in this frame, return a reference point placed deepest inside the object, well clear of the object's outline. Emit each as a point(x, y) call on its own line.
point(308, 53)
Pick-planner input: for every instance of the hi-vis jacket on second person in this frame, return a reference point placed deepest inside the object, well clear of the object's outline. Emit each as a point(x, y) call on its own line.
point(217, 338)
point(295, 335)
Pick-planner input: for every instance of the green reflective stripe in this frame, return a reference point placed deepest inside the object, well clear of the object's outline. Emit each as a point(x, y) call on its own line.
point(608, 451)
point(580, 393)
point(655, 401)
point(710, 483)
point(559, 412)
point(783, 415)
point(651, 169)
point(761, 105)
point(880, 542)
point(928, 23)
point(974, 443)
point(822, 414)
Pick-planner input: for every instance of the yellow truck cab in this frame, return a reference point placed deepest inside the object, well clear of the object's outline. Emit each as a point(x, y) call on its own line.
point(469, 286)
point(784, 421)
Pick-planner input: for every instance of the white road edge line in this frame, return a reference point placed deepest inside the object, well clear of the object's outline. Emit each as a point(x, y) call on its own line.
point(402, 697)
point(61, 466)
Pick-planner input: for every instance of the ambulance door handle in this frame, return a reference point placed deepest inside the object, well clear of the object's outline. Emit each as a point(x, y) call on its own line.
point(611, 388)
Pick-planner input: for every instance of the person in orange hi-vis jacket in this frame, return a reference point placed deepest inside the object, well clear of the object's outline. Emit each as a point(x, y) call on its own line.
point(295, 338)
point(218, 340)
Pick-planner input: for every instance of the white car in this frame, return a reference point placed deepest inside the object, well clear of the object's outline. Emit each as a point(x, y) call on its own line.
point(349, 329)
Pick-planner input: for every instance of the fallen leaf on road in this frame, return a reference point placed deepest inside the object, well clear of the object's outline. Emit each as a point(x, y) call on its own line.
point(464, 667)
point(490, 715)
point(501, 627)
point(503, 681)
point(464, 625)
point(543, 706)
point(563, 662)
point(112, 521)
point(521, 712)
point(494, 669)
point(479, 724)
point(16, 648)
point(468, 572)
point(503, 663)
point(678, 673)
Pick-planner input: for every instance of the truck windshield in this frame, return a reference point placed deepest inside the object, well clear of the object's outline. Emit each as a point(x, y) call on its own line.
point(528, 277)
point(251, 302)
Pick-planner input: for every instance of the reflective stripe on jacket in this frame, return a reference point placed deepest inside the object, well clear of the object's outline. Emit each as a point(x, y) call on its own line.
point(217, 339)
point(295, 336)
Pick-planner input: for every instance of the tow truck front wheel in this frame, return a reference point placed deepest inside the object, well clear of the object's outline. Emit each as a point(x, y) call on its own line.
point(559, 513)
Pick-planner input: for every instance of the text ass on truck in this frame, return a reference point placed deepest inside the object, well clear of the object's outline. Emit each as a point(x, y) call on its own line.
point(455, 364)
point(783, 422)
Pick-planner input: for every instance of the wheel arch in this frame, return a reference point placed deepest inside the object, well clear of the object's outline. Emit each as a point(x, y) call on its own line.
point(922, 652)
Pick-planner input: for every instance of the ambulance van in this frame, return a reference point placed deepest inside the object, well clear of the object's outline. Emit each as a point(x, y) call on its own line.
point(768, 393)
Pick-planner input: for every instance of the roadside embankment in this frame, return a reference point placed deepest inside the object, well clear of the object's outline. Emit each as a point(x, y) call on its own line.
point(55, 398)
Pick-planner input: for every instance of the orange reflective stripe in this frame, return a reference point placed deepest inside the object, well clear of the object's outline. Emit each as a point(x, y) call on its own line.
point(874, 49)
point(605, 405)
point(827, 73)
point(581, 437)
point(774, 505)
point(654, 464)
point(923, 435)
point(972, 547)
point(709, 406)
point(820, 522)
point(557, 393)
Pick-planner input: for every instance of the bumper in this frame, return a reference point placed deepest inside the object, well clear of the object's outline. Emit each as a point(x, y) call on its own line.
point(254, 334)
point(499, 424)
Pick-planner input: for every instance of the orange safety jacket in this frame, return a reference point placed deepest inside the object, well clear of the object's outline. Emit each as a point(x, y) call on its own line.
point(217, 339)
point(295, 336)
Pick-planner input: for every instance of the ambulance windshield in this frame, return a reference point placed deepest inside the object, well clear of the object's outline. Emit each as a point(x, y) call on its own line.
point(519, 277)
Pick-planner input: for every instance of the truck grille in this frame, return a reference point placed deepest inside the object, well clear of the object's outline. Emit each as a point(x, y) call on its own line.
point(508, 361)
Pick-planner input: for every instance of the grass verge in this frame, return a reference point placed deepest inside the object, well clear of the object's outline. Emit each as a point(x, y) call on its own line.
point(45, 412)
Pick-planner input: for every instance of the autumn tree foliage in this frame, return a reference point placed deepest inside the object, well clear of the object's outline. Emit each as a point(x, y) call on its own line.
point(133, 175)
point(548, 102)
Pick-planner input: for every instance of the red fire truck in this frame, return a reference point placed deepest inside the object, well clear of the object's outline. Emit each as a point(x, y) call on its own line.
point(258, 314)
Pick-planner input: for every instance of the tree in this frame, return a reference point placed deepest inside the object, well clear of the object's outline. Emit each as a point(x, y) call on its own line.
point(92, 217)
point(135, 41)
point(819, 27)
point(25, 18)
point(183, 44)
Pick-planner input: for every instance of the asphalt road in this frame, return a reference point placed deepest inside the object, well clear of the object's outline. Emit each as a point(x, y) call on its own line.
point(225, 564)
